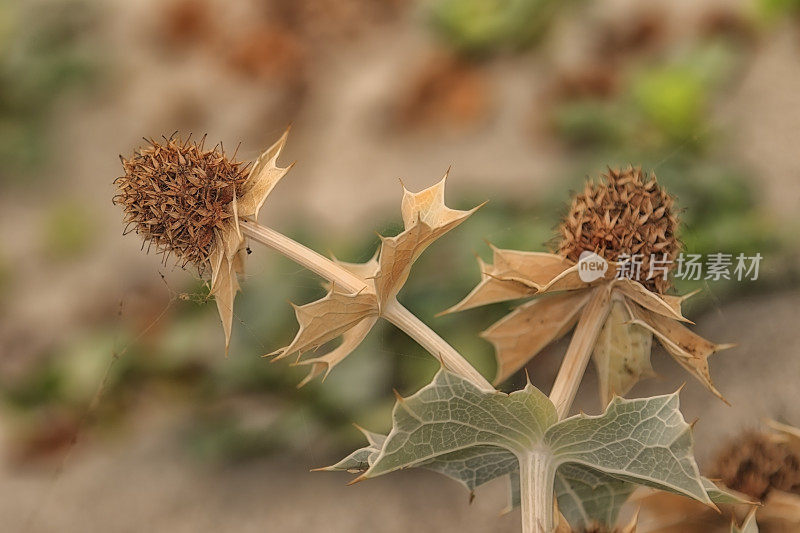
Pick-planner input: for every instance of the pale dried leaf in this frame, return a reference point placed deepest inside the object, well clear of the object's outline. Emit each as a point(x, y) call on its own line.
point(228, 249)
point(748, 526)
point(263, 177)
point(490, 290)
point(632, 524)
point(523, 333)
point(226, 263)
point(514, 274)
point(562, 526)
point(689, 349)
point(663, 305)
point(426, 218)
point(621, 353)
point(785, 434)
point(665, 512)
point(366, 272)
point(325, 319)
point(351, 339)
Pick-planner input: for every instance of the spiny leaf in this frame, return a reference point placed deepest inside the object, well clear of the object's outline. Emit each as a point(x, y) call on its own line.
point(645, 441)
point(425, 218)
point(589, 498)
point(621, 353)
point(516, 274)
point(667, 307)
point(227, 250)
point(722, 495)
point(352, 316)
point(522, 334)
point(361, 459)
point(451, 414)
point(263, 177)
point(748, 526)
point(473, 436)
point(686, 347)
point(328, 318)
point(351, 339)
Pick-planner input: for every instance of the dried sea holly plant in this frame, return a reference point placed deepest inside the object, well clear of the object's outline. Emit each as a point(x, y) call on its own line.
point(627, 224)
point(566, 474)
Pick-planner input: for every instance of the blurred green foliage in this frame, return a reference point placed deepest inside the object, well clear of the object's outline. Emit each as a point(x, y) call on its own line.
point(772, 10)
point(663, 104)
point(484, 26)
point(43, 54)
point(68, 230)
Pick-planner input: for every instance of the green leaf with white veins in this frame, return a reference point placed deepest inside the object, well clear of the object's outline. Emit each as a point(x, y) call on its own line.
point(589, 497)
point(473, 436)
point(644, 441)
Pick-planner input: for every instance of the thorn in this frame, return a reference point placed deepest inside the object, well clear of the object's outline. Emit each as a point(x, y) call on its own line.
point(397, 396)
point(693, 422)
point(527, 376)
point(690, 294)
point(359, 479)
point(479, 206)
point(279, 352)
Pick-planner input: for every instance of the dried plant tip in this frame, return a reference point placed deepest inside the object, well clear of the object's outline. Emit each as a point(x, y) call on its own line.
point(176, 195)
point(626, 214)
point(756, 463)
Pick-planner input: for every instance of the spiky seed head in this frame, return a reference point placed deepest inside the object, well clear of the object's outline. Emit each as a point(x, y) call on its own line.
point(626, 214)
point(176, 194)
point(755, 463)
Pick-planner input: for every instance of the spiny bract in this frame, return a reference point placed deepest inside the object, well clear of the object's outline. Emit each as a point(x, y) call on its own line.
point(176, 194)
point(627, 213)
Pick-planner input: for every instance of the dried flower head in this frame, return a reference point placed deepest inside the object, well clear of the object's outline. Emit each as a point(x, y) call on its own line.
point(615, 317)
point(187, 200)
point(626, 214)
point(756, 463)
point(177, 194)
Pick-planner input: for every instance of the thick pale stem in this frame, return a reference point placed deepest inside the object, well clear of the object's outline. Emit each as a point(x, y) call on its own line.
point(536, 477)
point(580, 348)
point(316, 263)
point(393, 312)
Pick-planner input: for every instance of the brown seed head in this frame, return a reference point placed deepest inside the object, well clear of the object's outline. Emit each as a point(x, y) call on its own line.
point(177, 194)
point(755, 463)
point(627, 213)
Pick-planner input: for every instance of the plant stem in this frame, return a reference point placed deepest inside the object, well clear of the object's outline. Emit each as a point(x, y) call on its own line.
point(394, 312)
point(536, 478)
point(580, 348)
point(404, 319)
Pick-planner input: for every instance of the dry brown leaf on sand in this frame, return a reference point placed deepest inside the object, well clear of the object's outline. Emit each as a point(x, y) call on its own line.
point(352, 315)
